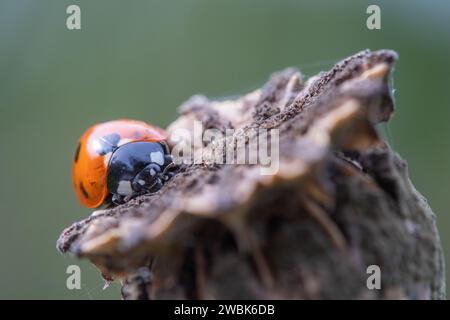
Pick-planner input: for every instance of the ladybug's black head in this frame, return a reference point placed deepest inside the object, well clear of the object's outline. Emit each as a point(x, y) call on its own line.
point(136, 168)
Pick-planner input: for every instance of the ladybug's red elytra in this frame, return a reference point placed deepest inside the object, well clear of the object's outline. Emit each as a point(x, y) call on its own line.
point(117, 160)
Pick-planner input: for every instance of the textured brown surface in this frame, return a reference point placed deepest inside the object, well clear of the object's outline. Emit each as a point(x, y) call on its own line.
point(340, 201)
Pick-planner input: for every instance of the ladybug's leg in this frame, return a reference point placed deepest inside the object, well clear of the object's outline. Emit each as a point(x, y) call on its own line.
point(158, 184)
point(168, 171)
point(168, 165)
point(117, 199)
point(145, 180)
point(168, 160)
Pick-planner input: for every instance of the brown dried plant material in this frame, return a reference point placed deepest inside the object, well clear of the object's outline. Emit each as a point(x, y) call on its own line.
point(340, 201)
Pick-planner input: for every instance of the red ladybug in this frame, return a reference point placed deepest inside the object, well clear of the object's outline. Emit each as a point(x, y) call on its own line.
point(118, 160)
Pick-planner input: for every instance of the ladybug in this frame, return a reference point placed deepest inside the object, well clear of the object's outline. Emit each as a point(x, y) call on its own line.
point(118, 160)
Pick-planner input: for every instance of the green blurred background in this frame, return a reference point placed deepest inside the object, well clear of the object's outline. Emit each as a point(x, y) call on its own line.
point(141, 59)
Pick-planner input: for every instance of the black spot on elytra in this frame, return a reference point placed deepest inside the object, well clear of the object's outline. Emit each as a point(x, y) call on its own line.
point(83, 191)
point(77, 152)
point(107, 143)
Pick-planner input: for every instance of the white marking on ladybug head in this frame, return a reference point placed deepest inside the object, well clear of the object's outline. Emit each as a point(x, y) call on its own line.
point(157, 157)
point(124, 188)
point(152, 172)
point(106, 158)
point(141, 182)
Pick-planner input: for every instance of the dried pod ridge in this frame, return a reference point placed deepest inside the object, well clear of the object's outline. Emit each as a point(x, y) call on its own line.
point(339, 201)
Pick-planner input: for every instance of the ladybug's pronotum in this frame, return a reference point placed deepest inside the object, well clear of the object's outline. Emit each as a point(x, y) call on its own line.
point(118, 160)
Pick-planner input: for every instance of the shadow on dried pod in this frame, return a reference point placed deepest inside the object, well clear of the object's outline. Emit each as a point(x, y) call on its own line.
point(339, 201)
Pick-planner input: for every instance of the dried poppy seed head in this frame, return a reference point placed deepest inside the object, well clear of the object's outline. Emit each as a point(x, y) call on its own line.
point(340, 202)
